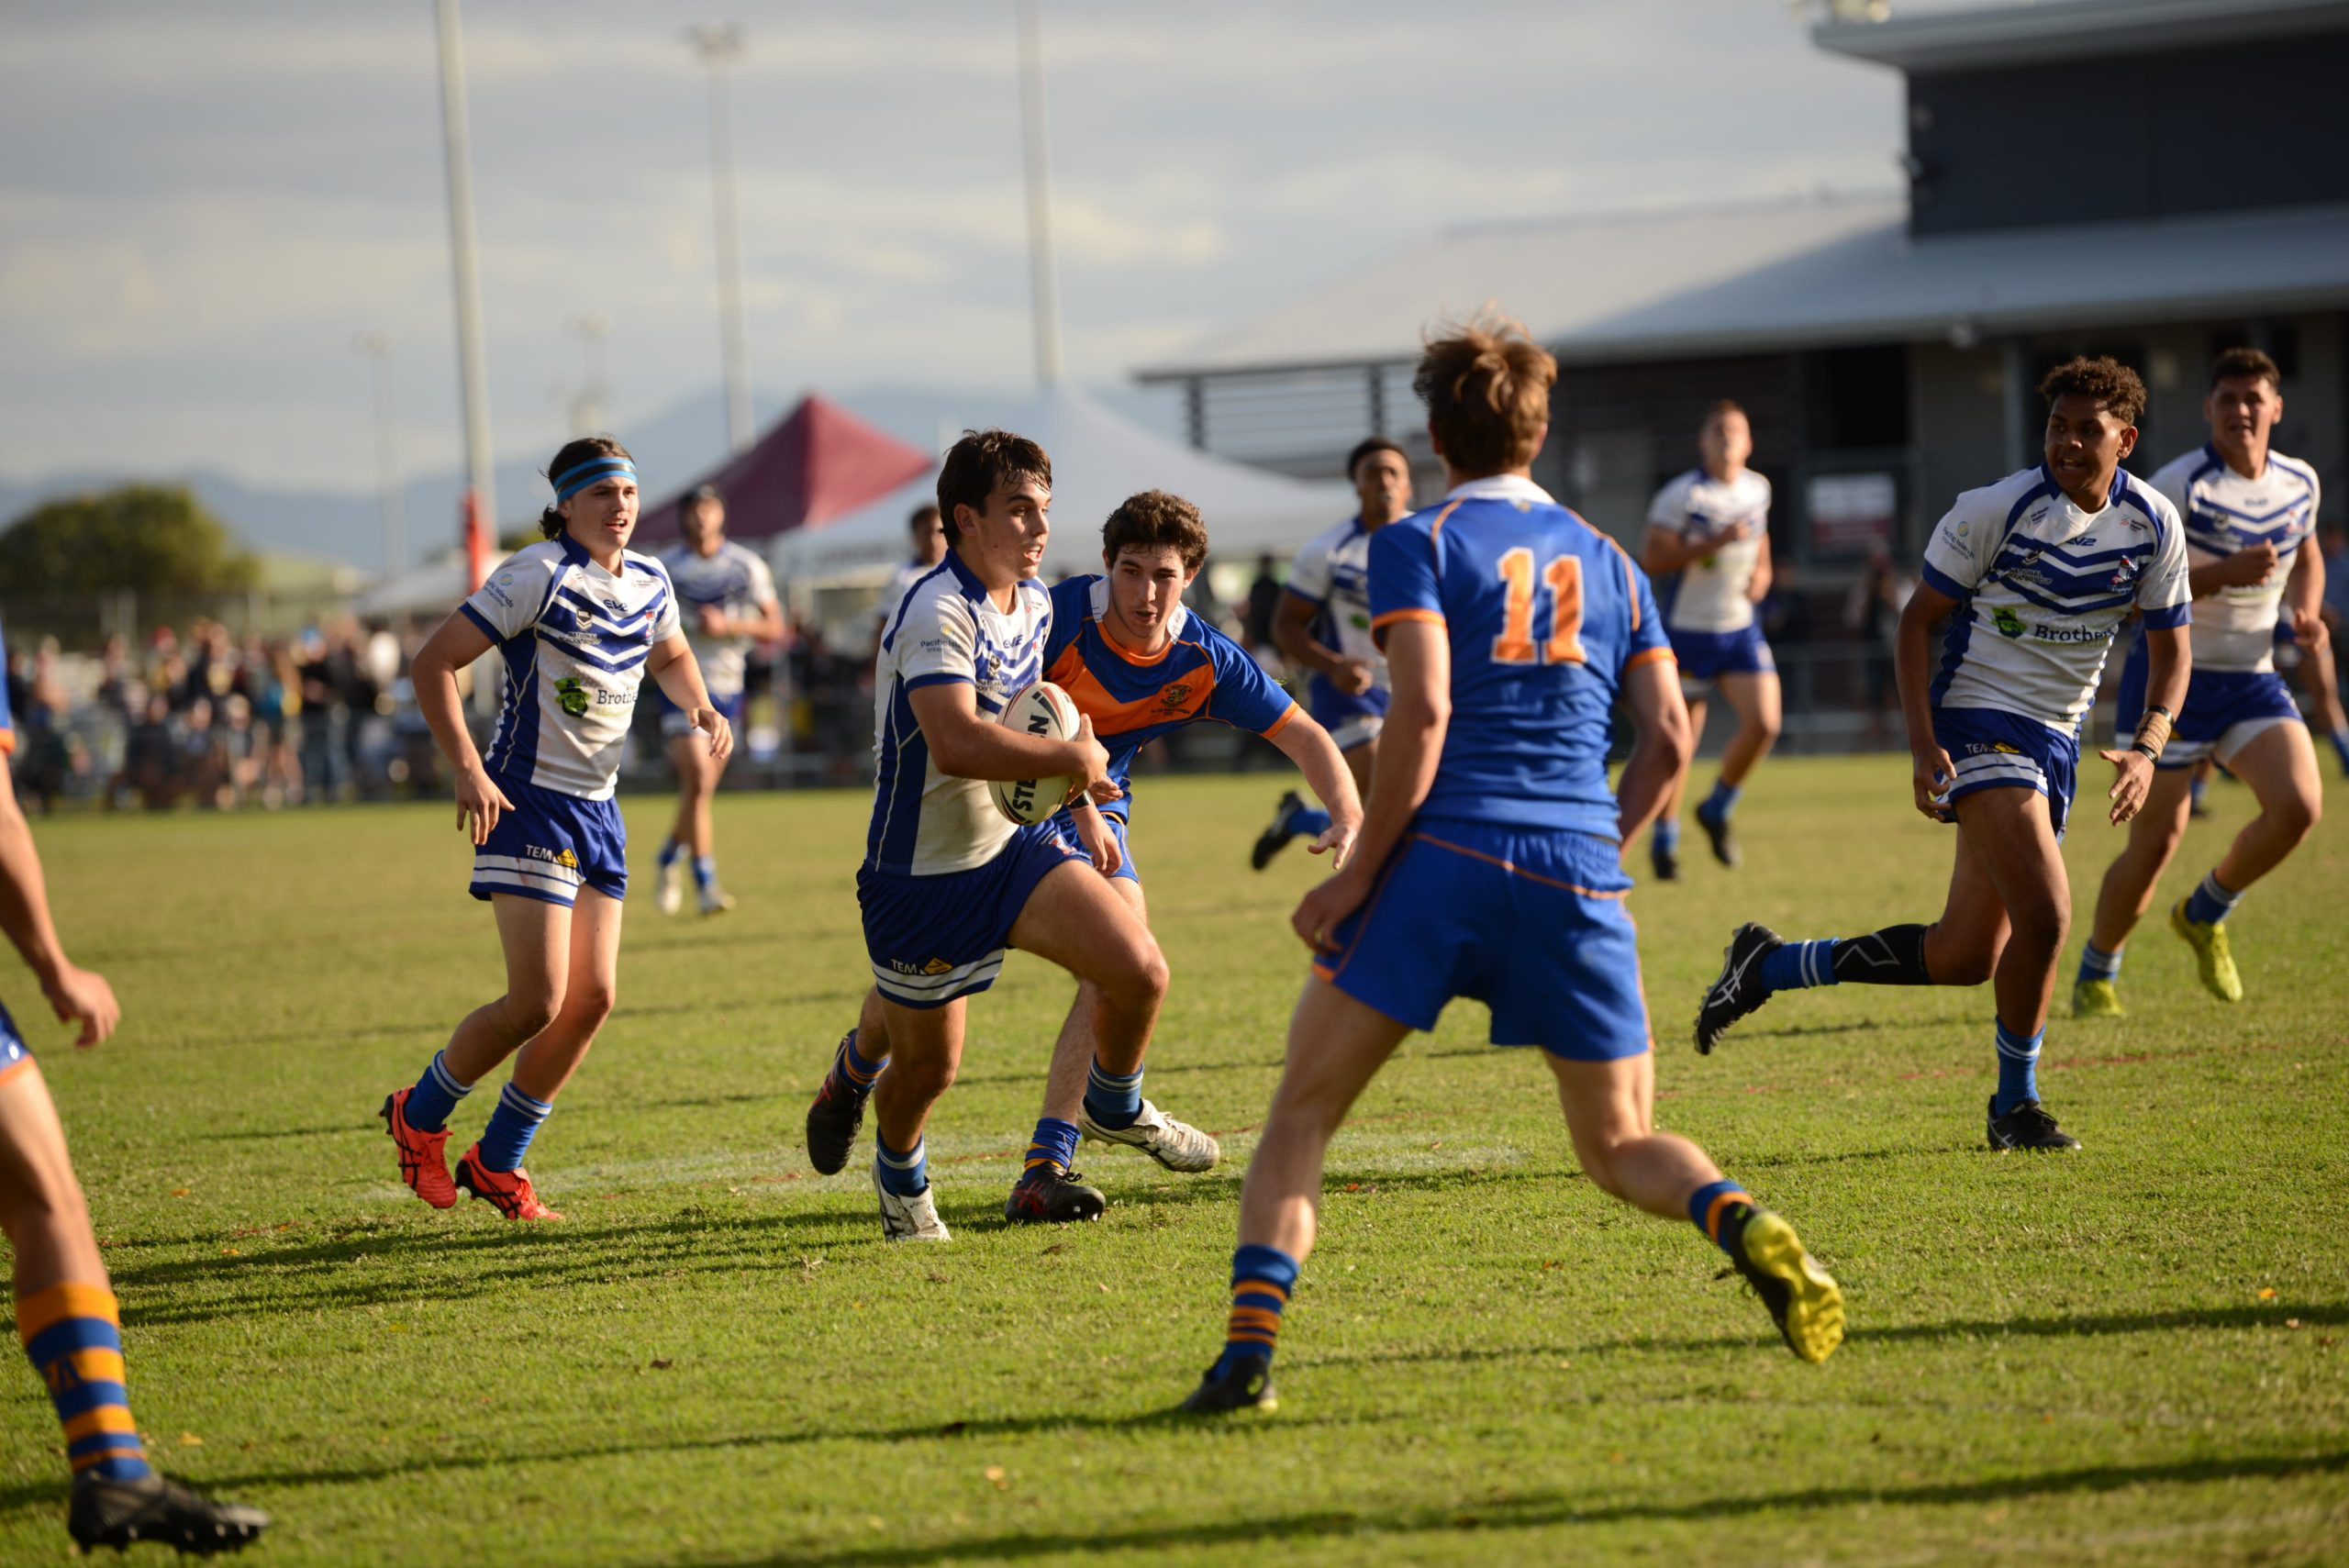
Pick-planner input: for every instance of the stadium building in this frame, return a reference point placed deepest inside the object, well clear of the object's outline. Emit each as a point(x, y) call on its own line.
point(2152, 179)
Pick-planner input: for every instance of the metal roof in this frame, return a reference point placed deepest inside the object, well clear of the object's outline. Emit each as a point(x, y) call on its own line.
point(1797, 275)
point(2023, 33)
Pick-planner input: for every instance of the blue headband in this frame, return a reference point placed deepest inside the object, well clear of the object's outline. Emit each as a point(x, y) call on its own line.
point(571, 482)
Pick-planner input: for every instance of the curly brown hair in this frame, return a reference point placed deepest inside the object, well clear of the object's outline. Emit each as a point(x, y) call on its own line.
point(1486, 386)
point(586, 449)
point(1153, 519)
point(2105, 379)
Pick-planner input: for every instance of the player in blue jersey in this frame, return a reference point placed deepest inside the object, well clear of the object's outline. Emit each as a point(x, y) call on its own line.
point(2035, 574)
point(2250, 515)
point(67, 1318)
point(1138, 665)
point(1708, 536)
point(726, 601)
point(1490, 863)
point(1322, 625)
point(949, 885)
point(580, 621)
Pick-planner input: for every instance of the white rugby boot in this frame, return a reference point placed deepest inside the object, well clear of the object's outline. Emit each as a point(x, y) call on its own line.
point(1176, 1145)
point(911, 1218)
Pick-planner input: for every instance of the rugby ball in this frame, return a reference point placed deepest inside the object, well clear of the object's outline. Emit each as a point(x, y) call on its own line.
point(1040, 709)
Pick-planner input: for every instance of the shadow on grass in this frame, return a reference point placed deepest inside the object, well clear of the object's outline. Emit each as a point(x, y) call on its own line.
point(2269, 1315)
point(1544, 1510)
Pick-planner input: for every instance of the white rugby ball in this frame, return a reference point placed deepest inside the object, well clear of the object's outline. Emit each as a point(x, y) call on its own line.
point(1040, 709)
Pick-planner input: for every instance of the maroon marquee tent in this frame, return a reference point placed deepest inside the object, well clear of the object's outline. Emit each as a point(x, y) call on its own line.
point(819, 463)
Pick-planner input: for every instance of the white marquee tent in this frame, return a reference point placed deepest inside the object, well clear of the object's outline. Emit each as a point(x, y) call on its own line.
point(1098, 459)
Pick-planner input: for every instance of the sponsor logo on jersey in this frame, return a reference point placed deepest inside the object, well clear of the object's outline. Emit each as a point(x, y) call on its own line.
point(2070, 634)
point(571, 696)
point(2127, 571)
point(2008, 623)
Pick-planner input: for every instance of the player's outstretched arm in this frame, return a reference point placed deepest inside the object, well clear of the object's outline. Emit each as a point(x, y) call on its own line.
point(433, 673)
point(1100, 842)
point(1660, 755)
point(1316, 756)
point(1931, 772)
point(965, 746)
point(1418, 714)
point(77, 996)
point(672, 664)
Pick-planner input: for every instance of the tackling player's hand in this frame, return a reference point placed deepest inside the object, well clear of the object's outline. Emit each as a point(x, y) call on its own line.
point(1101, 841)
point(1093, 762)
point(1352, 676)
point(82, 996)
point(2128, 791)
point(1319, 912)
point(713, 621)
point(1932, 775)
point(2246, 567)
point(1337, 841)
point(721, 734)
point(479, 800)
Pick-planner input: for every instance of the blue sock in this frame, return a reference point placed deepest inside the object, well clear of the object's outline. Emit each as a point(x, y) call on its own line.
point(2198, 787)
point(1110, 1100)
point(1308, 822)
point(1667, 833)
point(906, 1174)
point(1262, 1278)
point(1793, 966)
point(511, 1126)
point(1710, 1207)
point(2341, 747)
point(1722, 801)
point(704, 871)
point(854, 1072)
point(1054, 1144)
point(668, 853)
point(2098, 964)
point(2211, 903)
point(2018, 1069)
point(435, 1096)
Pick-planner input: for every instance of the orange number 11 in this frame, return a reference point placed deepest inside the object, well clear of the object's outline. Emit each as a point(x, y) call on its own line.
point(1515, 644)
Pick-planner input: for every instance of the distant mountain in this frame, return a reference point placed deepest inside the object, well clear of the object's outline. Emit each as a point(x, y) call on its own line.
point(672, 448)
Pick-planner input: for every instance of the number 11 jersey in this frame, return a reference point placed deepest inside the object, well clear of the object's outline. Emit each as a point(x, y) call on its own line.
point(1543, 613)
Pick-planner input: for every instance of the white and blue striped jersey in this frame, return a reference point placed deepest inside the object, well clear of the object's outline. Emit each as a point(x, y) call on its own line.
point(734, 581)
point(2234, 628)
point(2041, 587)
point(1332, 574)
point(1709, 593)
point(946, 629)
point(574, 638)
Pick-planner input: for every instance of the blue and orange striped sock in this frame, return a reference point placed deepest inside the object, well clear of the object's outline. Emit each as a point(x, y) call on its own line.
point(1262, 1278)
point(1719, 1210)
point(1054, 1144)
point(73, 1335)
point(851, 1071)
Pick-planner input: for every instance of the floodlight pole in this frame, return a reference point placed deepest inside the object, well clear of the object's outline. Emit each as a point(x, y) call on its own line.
point(1044, 286)
point(718, 46)
point(377, 348)
point(464, 260)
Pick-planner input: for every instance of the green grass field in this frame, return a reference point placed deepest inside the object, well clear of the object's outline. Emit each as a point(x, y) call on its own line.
point(2126, 1355)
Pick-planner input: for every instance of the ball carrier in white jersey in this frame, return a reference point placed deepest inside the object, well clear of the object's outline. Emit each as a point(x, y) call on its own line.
point(1322, 625)
point(2035, 574)
point(1708, 546)
point(580, 621)
point(2250, 515)
point(947, 884)
point(726, 601)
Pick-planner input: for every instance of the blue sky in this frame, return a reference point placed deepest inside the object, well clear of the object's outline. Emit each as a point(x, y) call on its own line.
point(205, 204)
